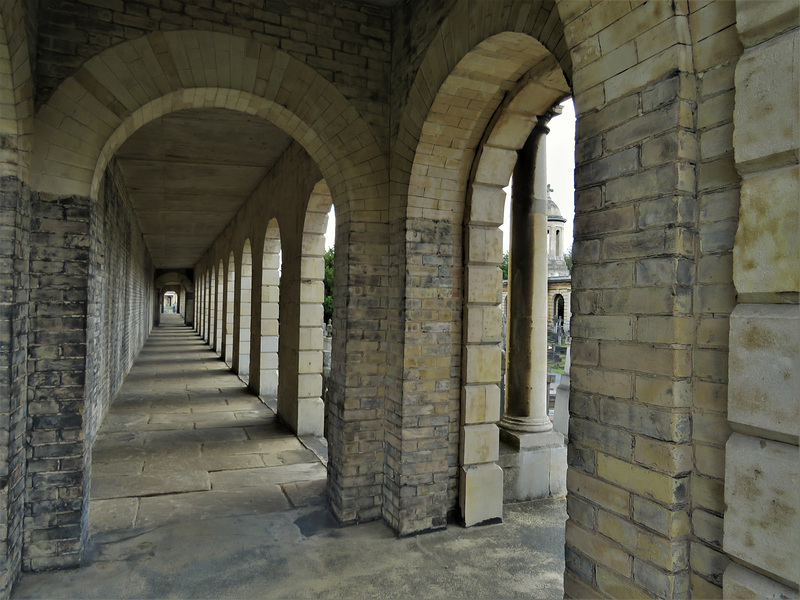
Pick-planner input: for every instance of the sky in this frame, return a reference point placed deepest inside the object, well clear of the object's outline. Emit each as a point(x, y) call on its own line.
point(560, 174)
point(560, 171)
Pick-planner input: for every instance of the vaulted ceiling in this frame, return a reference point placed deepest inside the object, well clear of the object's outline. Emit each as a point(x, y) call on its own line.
point(188, 173)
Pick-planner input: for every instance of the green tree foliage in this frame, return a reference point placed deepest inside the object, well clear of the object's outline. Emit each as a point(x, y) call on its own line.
point(504, 266)
point(568, 260)
point(327, 303)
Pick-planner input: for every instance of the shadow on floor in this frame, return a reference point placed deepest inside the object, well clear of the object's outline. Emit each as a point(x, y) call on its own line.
point(199, 492)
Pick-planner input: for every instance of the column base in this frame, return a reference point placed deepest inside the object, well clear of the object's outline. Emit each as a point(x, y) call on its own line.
point(534, 465)
point(525, 424)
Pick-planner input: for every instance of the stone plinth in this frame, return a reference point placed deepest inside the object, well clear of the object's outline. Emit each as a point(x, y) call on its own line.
point(534, 465)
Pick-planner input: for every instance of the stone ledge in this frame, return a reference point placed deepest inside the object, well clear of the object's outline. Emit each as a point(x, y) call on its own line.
point(534, 465)
point(531, 441)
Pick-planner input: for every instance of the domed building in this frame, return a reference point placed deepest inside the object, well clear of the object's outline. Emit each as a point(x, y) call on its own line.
point(559, 284)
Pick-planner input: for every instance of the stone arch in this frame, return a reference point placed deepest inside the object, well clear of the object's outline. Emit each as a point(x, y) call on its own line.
point(538, 20)
point(207, 304)
point(199, 302)
point(16, 108)
point(427, 186)
point(104, 102)
point(203, 309)
point(208, 317)
point(270, 311)
point(242, 356)
point(513, 121)
point(448, 181)
point(219, 315)
point(96, 109)
point(173, 278)
point(229, 309)
point(558, 308)
point(308, 416)
point(184, 287)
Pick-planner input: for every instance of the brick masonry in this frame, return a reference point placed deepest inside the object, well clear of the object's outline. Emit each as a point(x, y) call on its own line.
point(410, 121)
point(14, 304)
point(57, 479)
point(120, 275)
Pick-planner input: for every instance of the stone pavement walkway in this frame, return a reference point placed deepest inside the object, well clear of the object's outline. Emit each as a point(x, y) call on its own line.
point(199, 492)
point(184, 437)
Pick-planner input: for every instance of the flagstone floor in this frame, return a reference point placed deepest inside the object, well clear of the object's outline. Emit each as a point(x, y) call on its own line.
point(197, 491)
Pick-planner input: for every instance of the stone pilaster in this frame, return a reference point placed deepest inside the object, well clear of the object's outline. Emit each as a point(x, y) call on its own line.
point(762, 460)
point(57, 489)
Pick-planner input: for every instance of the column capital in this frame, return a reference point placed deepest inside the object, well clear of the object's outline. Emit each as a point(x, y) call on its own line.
point(543, 120)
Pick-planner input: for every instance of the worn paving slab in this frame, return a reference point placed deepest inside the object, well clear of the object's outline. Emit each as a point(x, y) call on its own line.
point(302, 553)
point(261, 527)
point(186, 440)
point(148, 484)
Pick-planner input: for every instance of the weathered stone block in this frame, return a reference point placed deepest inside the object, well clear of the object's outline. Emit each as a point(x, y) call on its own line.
point(484, 284)
point(615, 586)
point(481, 444)
point(767, 239)
point(762, 494)
point(599, 492)
point(644, 482)
point(675, 459)
point(495, 166)
point(310, 416)
point(740, 583)
point(481, 404)
point(612, 383)
point(759, 21)
point(481, 493)
point(663, 392)
point(602, 327)
point(665, 585)
point(534, 465)
point(670, 523)
point(483, 364)
point(666, 553)
point(764, 377)
point(599, 549)
point(767, 132)
point(601, 437)
point(486, 205)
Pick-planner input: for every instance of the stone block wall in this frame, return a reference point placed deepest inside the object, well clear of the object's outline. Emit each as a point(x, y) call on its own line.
point(14, 317)
point(715, 52)
point(683, 333)
point(91, 294)
point(762, 461)
point(121, 297)
point(57, 481)
point(348, 43)
point(630, 449)
point(16, 90)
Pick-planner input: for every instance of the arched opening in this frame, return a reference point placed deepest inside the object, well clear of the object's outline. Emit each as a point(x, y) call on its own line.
point(230, 300)
point(202, 301)
point(198, 303)
point(526, 81)
point(307, 418)
point(245, 310)
point(208, 335)
point(558, 309)
point(219, 314)
point(270, 313)
point(170, 302)
point(272, 86)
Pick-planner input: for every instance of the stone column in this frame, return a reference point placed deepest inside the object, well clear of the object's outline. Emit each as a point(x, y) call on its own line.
point(527, 393)
point(538, 467)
